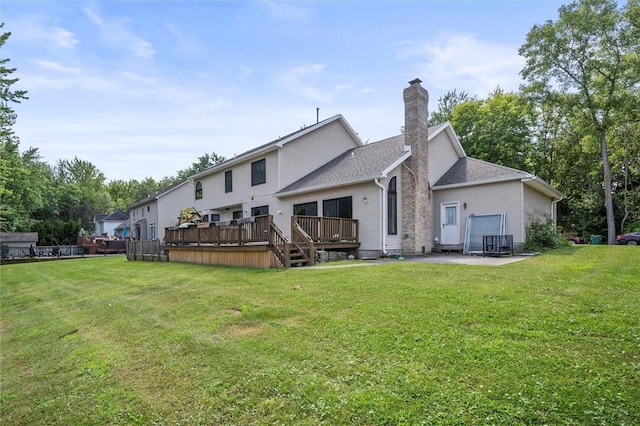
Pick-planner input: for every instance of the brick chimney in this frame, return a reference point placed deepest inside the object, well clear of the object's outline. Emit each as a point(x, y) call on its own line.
point(416, 192)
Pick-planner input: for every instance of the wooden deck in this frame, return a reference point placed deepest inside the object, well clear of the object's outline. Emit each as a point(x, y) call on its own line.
point(257, 241)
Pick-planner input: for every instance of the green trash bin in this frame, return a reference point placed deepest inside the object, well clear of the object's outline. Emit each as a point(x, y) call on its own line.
point(595, 239)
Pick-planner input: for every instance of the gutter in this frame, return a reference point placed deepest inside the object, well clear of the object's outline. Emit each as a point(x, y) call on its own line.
point(383, 221)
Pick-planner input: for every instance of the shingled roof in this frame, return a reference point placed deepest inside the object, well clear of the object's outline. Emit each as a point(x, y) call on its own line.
point(359, 164)
point(468, 170)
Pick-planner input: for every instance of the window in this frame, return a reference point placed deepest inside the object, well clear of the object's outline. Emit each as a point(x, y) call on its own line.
point(198, 190)
point(338, 207)
point(205, 218)
point(228, 181)
point(306, 209)
point(148, 208)
point(152, 231)
point(259, 211)
point(258, 172)
point(237, 214)
point(392, 208)
point(215, 217)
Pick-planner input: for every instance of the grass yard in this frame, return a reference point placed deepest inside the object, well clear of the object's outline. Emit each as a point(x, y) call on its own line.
point(554, 339)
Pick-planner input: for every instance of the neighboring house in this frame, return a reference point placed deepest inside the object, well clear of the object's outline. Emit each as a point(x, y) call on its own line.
point(411, 194)
point(149, 217)
point(106, 224)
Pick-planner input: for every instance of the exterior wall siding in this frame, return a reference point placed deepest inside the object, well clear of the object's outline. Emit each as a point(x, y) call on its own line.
point(441, 148)
point(312, 150)
point(243, 196)
point(537, 206)
point(501, 197)
point(365, 205)
point(169, 207)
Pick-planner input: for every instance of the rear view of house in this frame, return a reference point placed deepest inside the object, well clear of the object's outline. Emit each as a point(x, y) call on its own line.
point(409, 194)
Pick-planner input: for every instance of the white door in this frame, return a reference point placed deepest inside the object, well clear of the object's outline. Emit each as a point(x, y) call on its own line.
point(450, 220)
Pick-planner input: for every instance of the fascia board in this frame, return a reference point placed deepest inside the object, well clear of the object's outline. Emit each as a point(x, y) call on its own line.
point(396, 163)
point(337, 117)
point(544, 187)
point(172, 189)
point(477, 182)
point(452, 135)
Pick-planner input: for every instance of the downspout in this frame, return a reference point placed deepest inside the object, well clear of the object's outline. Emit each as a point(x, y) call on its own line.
point(382, 215)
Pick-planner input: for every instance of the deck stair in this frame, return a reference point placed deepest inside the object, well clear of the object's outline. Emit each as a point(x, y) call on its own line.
point(297, 256)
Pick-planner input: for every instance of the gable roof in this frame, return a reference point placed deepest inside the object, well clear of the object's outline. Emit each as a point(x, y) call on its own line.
point(157, 195)
point(117, 216)
point(359, 164)
point(277, 143)
point(469, 171)
point(356, 165)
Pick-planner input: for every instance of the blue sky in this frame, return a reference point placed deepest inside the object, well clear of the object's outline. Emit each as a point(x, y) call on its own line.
point(143, 88)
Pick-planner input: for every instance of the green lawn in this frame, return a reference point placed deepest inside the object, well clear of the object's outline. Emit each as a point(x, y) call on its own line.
point(553, 339)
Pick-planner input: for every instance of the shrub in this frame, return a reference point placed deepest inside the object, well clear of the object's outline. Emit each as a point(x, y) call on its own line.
point(541, 236)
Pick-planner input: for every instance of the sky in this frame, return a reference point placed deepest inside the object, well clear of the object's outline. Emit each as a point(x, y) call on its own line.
point(142, 88)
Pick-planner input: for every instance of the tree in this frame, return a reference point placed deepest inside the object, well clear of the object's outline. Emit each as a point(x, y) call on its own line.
point(83, 183)
point(590, 55)
point(7, 95)
point(203, 163)
point(15, 193)
point(446, 105)
point(496, 129)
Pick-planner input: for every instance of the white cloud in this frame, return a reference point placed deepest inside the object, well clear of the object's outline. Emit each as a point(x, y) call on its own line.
point(36, 29)
point(116, 33)
point(307, 81)
point(56, 66)
point(462, 61)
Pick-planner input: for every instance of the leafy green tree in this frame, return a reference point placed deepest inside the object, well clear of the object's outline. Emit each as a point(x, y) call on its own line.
point(590, 56)
point(82, 191)
point(446, 105)
point(496, 129)
point(204, 162)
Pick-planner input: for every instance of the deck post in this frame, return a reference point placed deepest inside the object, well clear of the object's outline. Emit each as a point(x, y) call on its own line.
point(287, 255)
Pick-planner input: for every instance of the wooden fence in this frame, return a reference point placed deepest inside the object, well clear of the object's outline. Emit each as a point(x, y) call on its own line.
point(145, 250)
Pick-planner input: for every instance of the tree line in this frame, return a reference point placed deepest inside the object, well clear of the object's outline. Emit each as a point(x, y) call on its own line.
point(575, 123)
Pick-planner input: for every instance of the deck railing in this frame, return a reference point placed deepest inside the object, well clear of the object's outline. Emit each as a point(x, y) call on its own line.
point(306, 232)
point(328, 229)
point(255, 229)
point(302, 242)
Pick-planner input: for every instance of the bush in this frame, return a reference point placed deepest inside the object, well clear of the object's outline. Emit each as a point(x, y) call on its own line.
point(541, 236)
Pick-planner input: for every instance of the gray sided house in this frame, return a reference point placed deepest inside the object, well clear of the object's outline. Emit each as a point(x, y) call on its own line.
point(247, 185)
point(410, 194)
point(149, 217)
point(106, 224)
